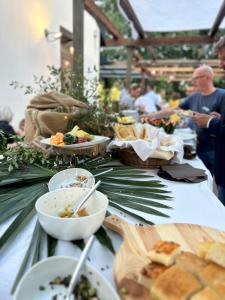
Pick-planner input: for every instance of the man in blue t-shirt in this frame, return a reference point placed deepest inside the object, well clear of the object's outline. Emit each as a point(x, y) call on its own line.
point(207, 99)
point(215, 124)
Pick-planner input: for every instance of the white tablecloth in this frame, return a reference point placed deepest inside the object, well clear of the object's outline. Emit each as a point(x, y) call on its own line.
point(192, 203)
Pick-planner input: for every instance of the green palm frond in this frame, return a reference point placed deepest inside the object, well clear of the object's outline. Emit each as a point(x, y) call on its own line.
point(128, 189)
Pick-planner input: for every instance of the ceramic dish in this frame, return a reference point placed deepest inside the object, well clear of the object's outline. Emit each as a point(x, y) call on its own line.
point(35, 283)
point(74, 177)
point(97, 140)
point(50, 205)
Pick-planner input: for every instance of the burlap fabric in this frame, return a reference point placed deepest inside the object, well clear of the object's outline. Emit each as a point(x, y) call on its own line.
point(49, 113)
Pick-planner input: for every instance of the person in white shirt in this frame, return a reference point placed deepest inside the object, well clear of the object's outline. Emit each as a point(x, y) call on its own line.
point(149, 102)
point(127, 102)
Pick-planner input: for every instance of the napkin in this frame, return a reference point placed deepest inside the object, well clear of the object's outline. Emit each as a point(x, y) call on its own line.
point(182, 172)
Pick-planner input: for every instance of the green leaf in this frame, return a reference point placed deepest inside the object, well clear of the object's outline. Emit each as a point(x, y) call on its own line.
point(139, 207)
point(138, 193)
point(123, 198)
point(37, 245)
point(79, 243)
point(51, 244)
point(136, 216)
point(23, 197)
point(17, 224)
point(23, 266)
point(139, 183)
point(104, 239)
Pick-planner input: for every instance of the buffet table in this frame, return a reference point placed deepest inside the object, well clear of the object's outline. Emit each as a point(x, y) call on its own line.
point(192, 203)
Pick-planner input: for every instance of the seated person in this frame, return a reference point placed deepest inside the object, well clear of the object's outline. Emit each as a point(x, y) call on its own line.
point(6, 116)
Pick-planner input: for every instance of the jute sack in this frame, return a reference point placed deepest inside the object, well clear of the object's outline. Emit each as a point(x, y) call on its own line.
point(49, 113)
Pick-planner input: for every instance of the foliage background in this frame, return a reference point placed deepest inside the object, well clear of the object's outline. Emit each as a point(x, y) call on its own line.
point(197, 51)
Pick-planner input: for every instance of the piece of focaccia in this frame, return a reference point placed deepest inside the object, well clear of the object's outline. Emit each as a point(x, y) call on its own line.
point(204, 248)
point(219, 288)
point(190, 262)
point(164, 252)
point(124, 132)
point(212, 274)
point(175, 284)
point(144, 134)
point(153, 271)
point(206, 294)
point(134, 131)
point(216, 253)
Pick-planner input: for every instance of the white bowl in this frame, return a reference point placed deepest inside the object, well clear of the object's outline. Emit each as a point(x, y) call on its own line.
point(66, 177)
point(46, 270)
point(52, 203)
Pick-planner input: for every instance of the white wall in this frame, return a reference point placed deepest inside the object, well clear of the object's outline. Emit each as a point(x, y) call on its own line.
point(25, 50)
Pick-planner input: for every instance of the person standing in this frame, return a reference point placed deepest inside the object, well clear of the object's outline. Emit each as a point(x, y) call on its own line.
point(206, 99)
point(127, 102)
point(215, 124)
point(149, 102)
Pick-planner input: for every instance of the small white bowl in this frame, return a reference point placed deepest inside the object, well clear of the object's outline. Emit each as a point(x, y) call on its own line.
point(47, 270)
point(51, 204)
point(66, 177)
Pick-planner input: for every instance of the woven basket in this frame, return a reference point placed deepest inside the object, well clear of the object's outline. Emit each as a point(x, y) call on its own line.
point(129, 157)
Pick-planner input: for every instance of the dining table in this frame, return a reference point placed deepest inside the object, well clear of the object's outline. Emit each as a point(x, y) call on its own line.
point(193, 203)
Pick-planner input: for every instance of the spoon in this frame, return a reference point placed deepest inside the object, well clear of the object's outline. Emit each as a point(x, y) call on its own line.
point(78, 268)
point(86, 197)
point(96, 175)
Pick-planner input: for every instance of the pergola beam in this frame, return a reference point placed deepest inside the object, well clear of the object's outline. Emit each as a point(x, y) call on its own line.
point(218, 20)
point(125, 4)
point(97, 13)
point(78, 44)
point(156, 41)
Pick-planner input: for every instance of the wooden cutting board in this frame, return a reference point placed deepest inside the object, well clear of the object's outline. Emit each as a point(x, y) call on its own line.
point(138, 240)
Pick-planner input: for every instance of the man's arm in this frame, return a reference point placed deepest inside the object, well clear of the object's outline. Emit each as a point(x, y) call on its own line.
point(215, 126)
point(185, 104)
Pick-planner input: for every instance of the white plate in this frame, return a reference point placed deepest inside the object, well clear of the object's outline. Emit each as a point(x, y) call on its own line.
point(66, 177)
point(46, 270)
point(98, 139)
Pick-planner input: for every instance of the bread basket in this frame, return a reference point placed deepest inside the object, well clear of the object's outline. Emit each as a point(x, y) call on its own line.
point(129, 157)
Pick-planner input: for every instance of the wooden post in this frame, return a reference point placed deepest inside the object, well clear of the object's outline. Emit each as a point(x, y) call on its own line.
point(78, 44)
point(129, 66)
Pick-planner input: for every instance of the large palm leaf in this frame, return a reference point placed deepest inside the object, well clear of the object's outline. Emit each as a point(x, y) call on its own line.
point(127, 188)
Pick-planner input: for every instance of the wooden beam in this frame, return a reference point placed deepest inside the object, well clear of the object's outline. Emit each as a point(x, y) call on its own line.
point(218, 20)
point(78, 44)
point(155, 41)
point(129, 66)
point(99, 16)
point(125, 4)
point(67, 35)
point(190, 62)
point(170, 62)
